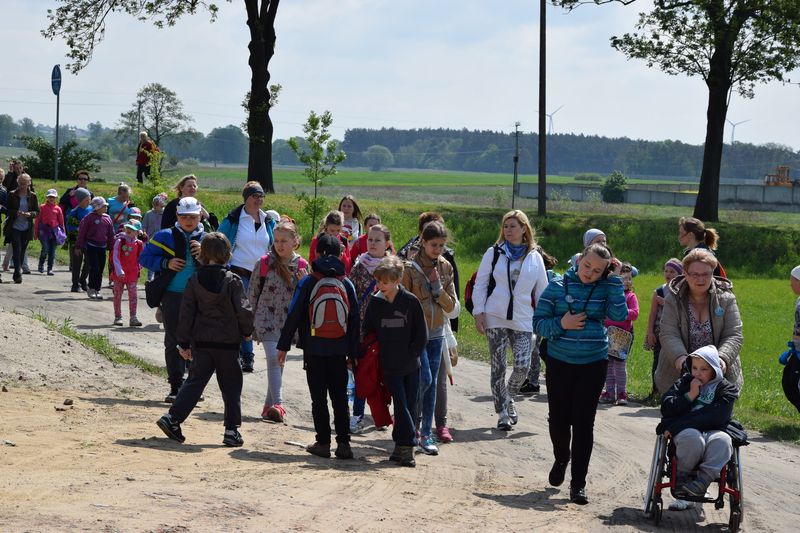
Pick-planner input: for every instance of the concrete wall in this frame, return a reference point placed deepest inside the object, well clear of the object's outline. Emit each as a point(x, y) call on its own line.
point(750, 197)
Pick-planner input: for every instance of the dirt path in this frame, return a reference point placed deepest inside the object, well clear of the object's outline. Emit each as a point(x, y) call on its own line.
point(102, 464)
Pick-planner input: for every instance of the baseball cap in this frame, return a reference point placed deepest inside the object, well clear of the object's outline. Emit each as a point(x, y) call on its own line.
point(188, 206)
point(134, 225)
point(52, 193)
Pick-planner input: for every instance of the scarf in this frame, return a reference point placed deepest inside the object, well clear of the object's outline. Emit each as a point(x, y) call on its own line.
point(515, 251)
point(369, 262)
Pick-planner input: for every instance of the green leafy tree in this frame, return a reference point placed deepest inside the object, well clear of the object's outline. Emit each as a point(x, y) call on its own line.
point(321, 155)
point(7, 130)
point(70, 159)
point(379, 157)
point(730, 44)
point(81, 23)
point(227, 145)
point(613, 189)
point(157, 110)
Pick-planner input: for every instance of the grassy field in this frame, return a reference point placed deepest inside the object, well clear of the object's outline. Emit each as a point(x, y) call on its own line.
point(766, 304)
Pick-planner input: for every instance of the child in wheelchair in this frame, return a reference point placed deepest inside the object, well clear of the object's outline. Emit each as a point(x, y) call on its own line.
point(695, 413)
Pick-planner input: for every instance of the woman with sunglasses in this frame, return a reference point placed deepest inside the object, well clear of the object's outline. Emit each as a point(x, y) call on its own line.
point(249, 230)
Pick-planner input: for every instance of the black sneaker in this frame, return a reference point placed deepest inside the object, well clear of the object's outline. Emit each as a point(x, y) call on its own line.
point(556, 477)
point(75, 288)
point(170, 428)
point(578, 495)
point(343, 451)
point(173, 393)
point(84, 286)
point(232, 439)
point(529, 388)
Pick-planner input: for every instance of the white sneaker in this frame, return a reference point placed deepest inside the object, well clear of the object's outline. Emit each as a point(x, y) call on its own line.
point(90, 293)
point(512, 412)
point(118, 321)
point(356, 424)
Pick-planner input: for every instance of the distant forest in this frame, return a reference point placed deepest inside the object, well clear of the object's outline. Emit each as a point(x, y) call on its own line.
point(490, 151)
point(440, 149)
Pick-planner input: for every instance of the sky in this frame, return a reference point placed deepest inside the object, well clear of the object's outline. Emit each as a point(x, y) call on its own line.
point(384, 63)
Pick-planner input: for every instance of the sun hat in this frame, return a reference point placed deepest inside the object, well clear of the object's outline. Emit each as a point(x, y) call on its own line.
point(98, 202)
point(135, 225)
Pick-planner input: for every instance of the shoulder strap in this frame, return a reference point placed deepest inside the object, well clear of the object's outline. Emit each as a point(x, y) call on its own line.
point(367, 293)
point(124, 207)
point(179, 241)
point(263, 268)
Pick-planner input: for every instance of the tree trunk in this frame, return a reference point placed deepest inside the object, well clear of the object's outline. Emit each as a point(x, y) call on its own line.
point(261, 22)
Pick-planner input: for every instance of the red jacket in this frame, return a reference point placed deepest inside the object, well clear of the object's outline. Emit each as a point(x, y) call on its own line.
point(345, 257)
point(369, 382)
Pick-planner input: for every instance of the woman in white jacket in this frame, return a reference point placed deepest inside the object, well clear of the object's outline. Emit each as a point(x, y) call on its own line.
point(510, 279)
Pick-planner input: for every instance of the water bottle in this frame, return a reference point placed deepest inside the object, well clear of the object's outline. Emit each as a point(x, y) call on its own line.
point(351, 387)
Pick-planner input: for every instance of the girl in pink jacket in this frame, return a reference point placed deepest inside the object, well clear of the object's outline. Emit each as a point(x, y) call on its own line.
point(44, 228)
point(125, 270)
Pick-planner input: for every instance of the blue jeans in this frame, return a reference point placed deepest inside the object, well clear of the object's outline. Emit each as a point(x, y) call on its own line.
point(48, 252)
point(246, 347)
point(429, 370)
point(404, 396)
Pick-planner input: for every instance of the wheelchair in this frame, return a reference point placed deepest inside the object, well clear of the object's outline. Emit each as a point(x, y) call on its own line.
point(665, 465)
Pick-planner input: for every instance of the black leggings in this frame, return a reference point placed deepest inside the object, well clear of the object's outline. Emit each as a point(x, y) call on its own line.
point(572, 395)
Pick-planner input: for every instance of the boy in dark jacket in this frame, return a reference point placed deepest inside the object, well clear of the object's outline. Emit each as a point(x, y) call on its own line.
point(215, 314)
point(329, 299)
point(396, 316)
point(695, 412)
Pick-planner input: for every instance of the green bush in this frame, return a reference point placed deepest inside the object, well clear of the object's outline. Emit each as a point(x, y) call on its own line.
point(588, 176)
point(70, 159)
point(613, 189)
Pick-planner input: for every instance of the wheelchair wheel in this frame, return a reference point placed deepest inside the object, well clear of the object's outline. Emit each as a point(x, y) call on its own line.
point(656, 473)
point(735, 477)
point(658, 507)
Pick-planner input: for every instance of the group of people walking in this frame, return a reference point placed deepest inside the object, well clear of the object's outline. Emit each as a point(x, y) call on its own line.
point(358, 306)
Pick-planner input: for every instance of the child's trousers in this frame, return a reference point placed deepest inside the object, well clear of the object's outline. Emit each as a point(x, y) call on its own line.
point(711, 449)
point(205, 361)
point(616, 377)
point(327, 375)
point(133, 298)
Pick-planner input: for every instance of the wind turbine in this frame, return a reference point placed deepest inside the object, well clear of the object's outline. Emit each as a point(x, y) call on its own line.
point(550, 126)
point(733, 127)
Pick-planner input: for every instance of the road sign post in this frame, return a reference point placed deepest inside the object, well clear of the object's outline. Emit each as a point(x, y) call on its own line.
point(55, 83)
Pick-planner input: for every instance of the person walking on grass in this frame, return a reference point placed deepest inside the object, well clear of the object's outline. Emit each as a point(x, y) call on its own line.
point(125, 270)
point(214, 316)
point(272, 285)
point(47, 224)
point(324, 312)
point(396, 317)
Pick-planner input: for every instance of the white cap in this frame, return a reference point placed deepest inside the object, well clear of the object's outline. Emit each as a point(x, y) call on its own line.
point(52, 193)
point(98, 202)
point(188, 206)
point(796, 272)
point(274, 215)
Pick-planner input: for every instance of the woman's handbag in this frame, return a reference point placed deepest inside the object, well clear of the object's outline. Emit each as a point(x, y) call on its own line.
point(619, 343)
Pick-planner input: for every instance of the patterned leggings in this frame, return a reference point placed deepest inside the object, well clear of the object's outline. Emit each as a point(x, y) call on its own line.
point(500, 339)
point(133, 298)
point(616, 377)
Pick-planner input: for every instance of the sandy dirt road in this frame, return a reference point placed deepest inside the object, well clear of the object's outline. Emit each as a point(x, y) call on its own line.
point(101, 464)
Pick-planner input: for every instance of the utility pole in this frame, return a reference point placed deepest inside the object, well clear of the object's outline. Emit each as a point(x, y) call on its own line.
point(516, 163)
point(55, 84)
point(542, 193)
point(138, 120)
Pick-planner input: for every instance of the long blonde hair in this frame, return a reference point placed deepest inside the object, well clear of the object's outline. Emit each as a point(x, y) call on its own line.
point(529, 235)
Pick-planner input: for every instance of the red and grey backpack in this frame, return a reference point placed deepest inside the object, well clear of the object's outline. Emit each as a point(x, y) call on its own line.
point(328, 307)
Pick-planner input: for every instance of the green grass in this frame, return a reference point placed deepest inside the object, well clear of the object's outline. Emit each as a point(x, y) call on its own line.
point(100, 344)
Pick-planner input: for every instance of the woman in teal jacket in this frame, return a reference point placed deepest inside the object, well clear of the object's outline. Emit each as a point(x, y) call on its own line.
point(570, 315)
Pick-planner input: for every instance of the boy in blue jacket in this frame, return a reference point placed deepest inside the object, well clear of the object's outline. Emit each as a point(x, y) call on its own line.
point(173, 252)
point(324, 311)
point(695, 412)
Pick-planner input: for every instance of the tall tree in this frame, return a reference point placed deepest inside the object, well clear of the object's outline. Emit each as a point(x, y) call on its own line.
point(730, 44)
point(157, 110)
point(82, 25)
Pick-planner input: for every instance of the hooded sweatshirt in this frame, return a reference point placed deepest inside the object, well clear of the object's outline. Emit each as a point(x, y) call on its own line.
point(713, 407)
point(215, 312)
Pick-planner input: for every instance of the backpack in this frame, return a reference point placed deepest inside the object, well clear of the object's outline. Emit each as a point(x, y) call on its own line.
point(470, 287)
point(328, 308)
